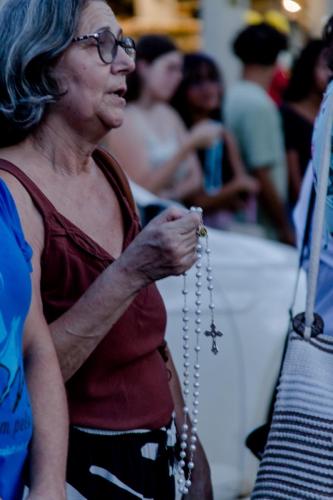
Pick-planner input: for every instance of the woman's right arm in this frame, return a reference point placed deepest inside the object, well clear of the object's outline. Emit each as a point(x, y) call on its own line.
point(128, 144)
point(165, 247)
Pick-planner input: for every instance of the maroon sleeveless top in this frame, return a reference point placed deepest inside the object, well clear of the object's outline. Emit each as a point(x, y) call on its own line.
point(124, 382)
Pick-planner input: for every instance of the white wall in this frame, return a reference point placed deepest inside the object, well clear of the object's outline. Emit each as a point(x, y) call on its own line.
point(318, 12)
point(221, 21)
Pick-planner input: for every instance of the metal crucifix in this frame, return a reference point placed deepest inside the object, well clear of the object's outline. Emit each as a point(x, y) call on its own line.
point(213, 332)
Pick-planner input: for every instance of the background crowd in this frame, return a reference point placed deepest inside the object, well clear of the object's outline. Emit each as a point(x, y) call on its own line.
point(239, 152)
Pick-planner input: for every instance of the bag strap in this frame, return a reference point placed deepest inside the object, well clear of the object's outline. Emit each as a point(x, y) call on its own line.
point(322, 156)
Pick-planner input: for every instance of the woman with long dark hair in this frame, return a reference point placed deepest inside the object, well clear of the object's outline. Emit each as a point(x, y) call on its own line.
point(152, 144)
point(227, 188)
point(303, 96)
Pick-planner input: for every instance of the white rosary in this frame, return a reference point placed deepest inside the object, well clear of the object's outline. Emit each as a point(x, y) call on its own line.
point(188, 440)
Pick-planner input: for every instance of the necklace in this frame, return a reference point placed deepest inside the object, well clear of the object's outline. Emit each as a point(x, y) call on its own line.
point(188, 437)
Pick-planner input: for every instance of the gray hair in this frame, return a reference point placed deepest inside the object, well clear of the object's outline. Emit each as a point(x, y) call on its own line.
point(34, 33)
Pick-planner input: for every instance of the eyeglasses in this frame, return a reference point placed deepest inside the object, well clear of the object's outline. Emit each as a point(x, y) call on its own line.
point(107, 45)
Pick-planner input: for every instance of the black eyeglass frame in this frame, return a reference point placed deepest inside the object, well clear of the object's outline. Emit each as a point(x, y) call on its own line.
point(127, 43)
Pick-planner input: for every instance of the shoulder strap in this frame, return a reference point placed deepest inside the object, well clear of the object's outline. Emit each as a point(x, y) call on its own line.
point(40, 200)
point(322, 162)
point(109, 161)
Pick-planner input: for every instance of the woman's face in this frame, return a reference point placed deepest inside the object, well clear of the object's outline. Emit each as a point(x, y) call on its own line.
point(322, 74)
point(204, 92)
point(93, 102)
point(162, 77)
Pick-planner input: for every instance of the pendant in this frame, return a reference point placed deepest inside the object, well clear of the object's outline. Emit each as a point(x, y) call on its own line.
point(213, 332)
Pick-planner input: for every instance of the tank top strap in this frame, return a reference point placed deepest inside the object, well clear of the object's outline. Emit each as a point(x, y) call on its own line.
point(110, 166)
point(41, 201)
point(105, 160)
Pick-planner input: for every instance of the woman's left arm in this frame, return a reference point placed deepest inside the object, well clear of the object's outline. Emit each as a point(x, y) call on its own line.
point(236, 161)
point(49, 408)
point(201, 488)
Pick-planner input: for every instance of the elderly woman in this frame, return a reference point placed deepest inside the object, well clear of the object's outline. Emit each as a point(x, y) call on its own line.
point(62, 84)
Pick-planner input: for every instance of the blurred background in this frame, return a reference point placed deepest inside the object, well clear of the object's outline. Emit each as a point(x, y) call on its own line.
point(254, 272)
point(210, 25)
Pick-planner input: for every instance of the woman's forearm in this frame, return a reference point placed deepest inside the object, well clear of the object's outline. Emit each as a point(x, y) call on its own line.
point(161, 177)
point(49, 407)
point(78, 331)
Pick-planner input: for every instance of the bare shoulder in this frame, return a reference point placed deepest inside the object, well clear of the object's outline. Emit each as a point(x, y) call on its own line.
point(169, 113)
point(31, 219)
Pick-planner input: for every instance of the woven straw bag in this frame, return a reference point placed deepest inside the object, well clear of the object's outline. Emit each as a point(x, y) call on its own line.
point(298, 459)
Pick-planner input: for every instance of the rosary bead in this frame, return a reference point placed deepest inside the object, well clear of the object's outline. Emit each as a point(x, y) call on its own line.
point(186, 436)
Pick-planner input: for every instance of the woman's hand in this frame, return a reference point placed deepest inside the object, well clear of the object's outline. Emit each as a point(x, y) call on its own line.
point(47, 494)
point(204, 134)
point(245, 184)
point(165, 247)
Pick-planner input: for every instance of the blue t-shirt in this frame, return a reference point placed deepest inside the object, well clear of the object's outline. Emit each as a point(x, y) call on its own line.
point(15, 297)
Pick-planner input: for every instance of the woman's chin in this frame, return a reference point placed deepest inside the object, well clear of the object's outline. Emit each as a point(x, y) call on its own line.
point(113, 122)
